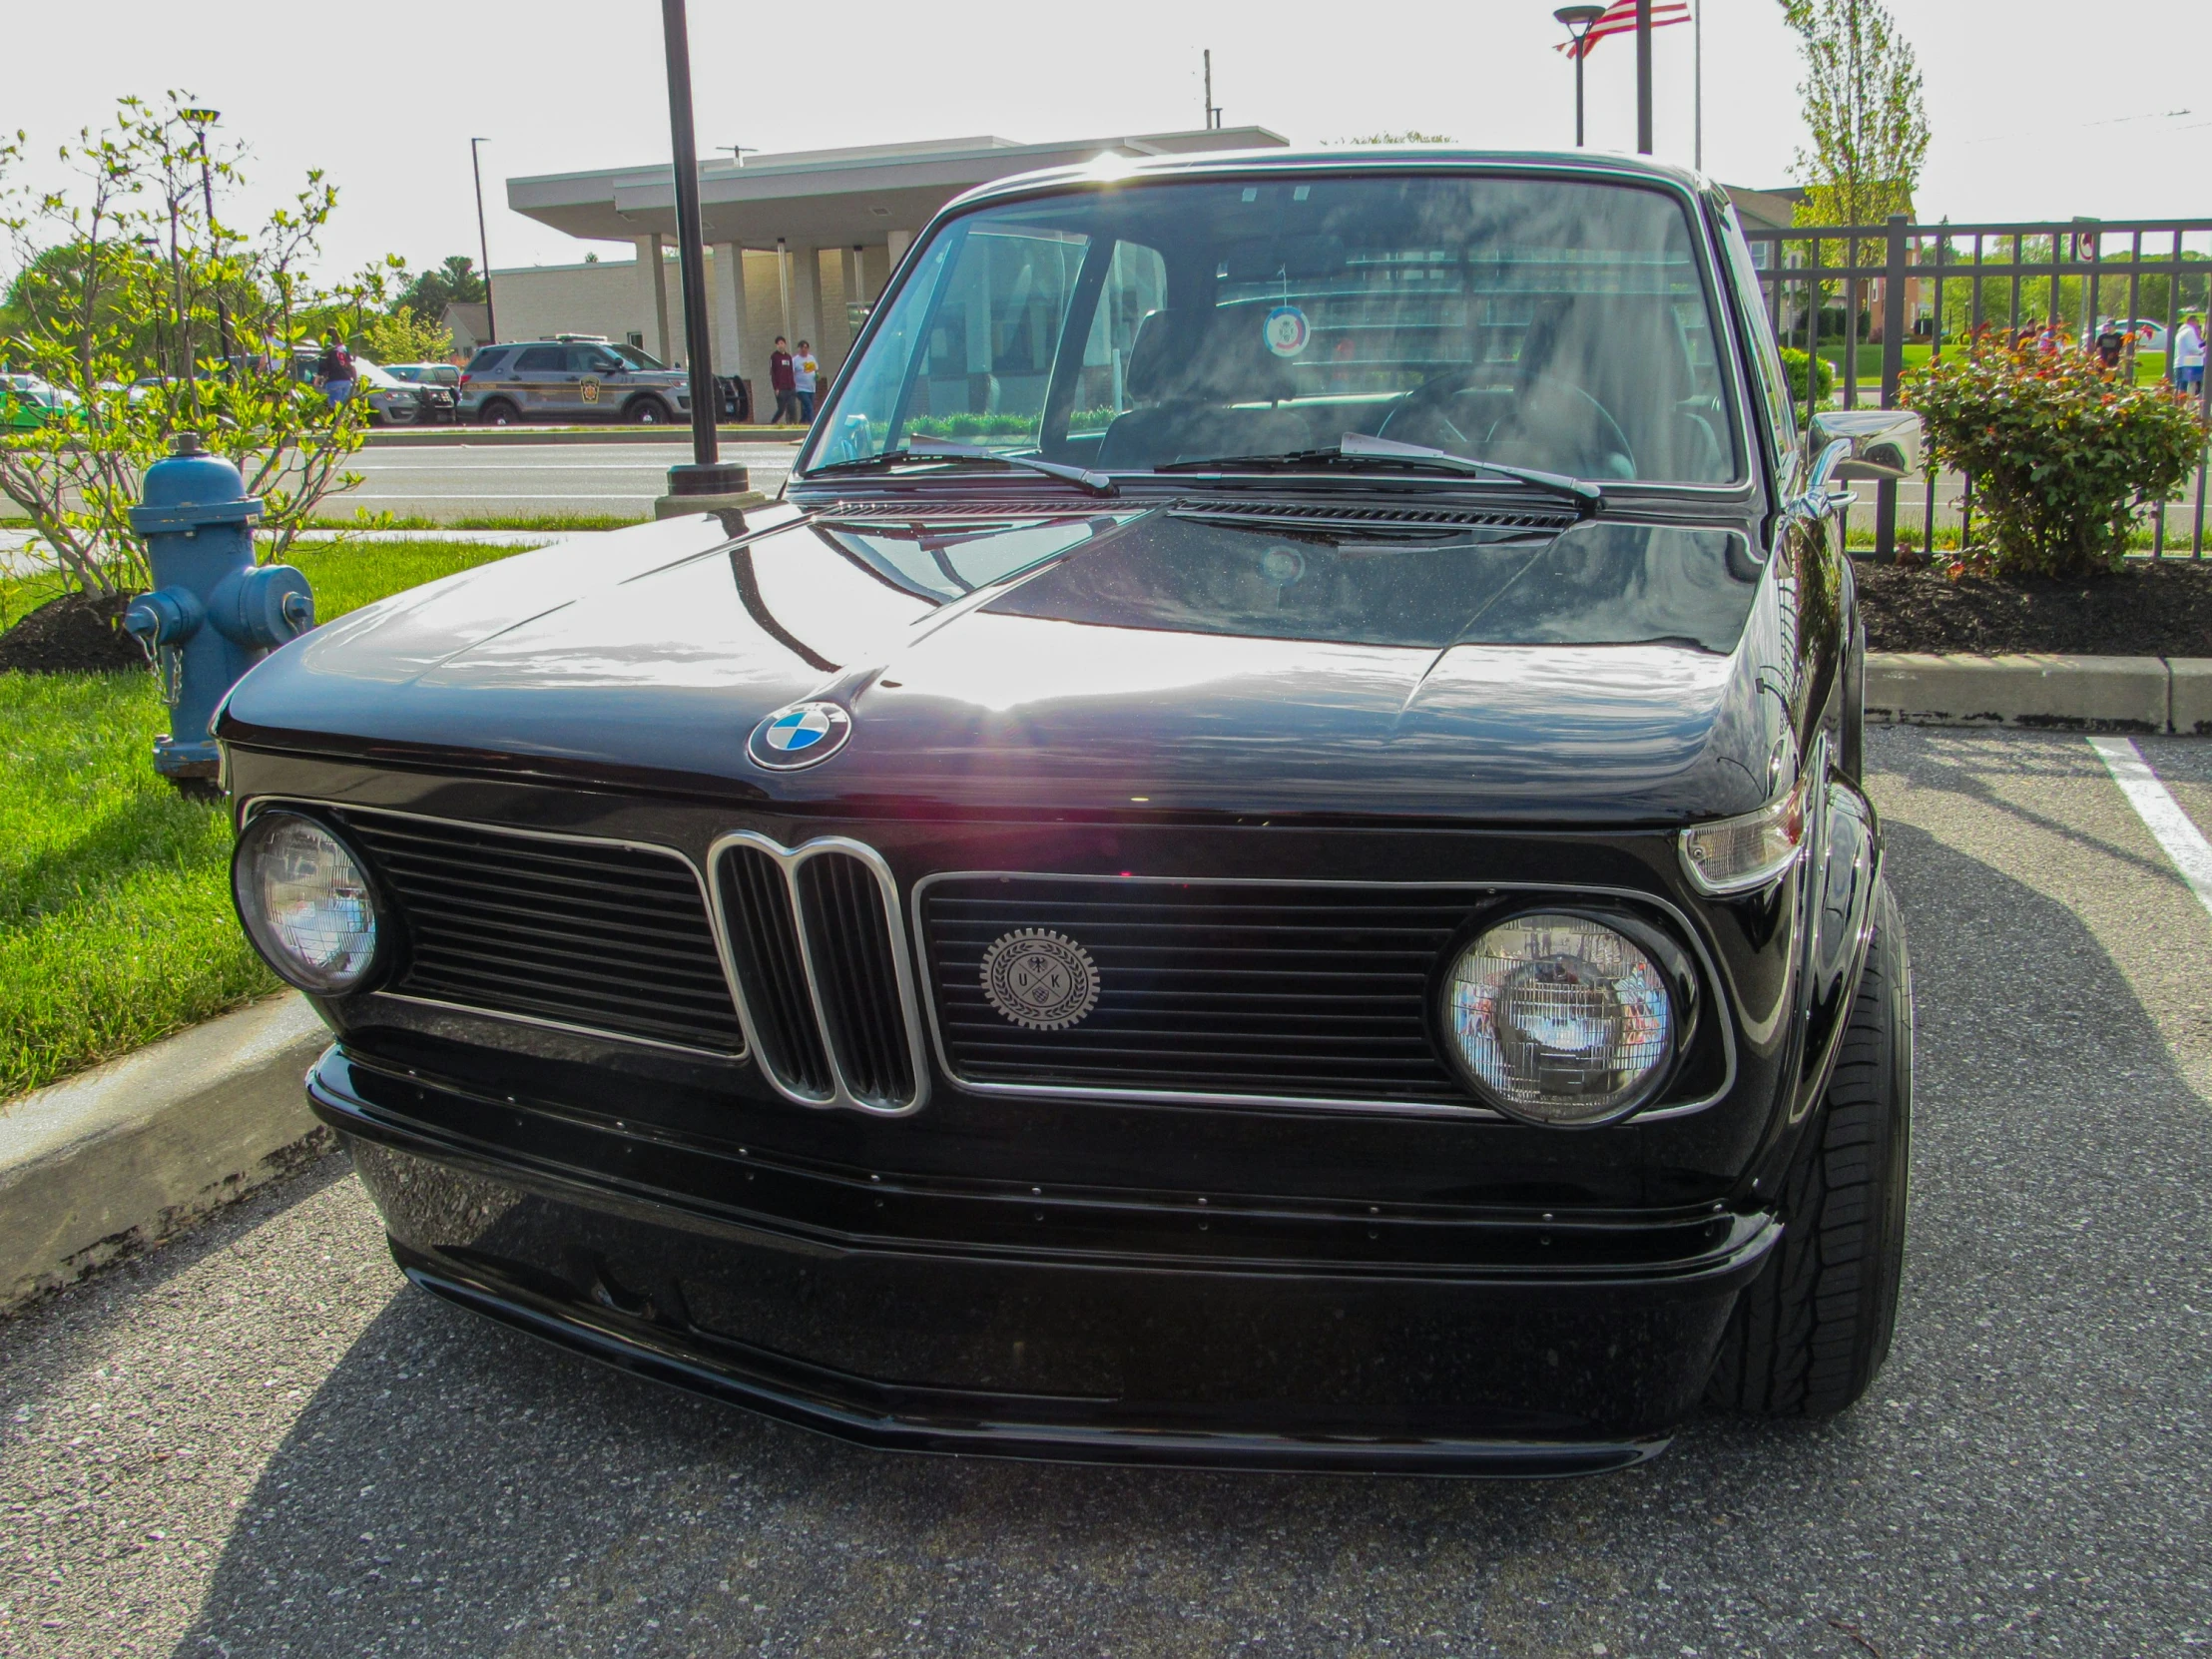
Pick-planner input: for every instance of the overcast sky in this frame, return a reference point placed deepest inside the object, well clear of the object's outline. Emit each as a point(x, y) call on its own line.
point(2040, 110)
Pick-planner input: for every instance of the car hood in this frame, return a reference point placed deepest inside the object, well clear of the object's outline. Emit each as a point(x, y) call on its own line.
point(1162, 660)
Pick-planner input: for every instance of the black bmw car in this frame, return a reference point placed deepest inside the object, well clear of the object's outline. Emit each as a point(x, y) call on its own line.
point(1260, 864)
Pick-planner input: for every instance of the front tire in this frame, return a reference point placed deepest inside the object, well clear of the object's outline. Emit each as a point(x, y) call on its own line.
point(1809, 1335)
point(647, 411)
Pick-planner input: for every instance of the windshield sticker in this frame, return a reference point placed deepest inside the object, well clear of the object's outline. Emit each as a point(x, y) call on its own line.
point(1287, 331)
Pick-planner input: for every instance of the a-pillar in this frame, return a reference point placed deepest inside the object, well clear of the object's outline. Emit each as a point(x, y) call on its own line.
point(653, 292)
point(731, 350)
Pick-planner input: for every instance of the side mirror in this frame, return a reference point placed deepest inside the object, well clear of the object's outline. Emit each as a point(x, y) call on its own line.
point(1877, 444)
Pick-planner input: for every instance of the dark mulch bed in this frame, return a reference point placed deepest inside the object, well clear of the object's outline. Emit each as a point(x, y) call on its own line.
point(75, 633)
point(2159, 607)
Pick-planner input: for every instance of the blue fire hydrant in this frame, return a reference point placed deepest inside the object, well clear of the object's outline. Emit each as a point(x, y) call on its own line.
point(213, 615)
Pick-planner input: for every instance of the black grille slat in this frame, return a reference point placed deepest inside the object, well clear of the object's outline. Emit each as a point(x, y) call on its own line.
point(1284, 990)
point(854, 966)
point(606, 938)
point(764, 940)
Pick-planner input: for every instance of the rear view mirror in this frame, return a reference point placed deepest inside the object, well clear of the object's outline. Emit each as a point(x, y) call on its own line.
point(1294, 258)
point(1879, 443)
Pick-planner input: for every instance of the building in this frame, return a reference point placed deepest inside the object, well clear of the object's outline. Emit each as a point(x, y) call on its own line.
point(798, 245)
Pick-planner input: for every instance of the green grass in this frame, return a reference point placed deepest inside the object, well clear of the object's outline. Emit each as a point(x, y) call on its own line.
point(116, 924)
point(496, 521)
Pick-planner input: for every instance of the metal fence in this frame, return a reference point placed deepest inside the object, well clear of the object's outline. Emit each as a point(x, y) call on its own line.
point(1942, 285)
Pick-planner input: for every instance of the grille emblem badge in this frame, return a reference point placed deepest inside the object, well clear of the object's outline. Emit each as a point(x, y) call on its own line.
point(1042, 980)
point(799, 736)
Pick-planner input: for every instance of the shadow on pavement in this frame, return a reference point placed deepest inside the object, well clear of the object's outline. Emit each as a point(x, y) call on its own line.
point(2025, 1476)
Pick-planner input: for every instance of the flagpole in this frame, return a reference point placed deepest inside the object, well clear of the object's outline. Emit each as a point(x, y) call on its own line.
point(1643, 77)
point(1697, 50)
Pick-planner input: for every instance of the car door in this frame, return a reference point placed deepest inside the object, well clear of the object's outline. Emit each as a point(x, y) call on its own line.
point(602, 379)
point(543, 384)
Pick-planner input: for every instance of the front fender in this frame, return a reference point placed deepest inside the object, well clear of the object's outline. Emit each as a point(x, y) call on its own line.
point(1839, 924)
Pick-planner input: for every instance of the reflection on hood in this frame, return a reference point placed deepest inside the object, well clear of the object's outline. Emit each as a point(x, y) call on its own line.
point(1597, 584)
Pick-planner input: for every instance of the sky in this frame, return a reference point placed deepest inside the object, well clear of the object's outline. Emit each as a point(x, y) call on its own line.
point(2032, 119)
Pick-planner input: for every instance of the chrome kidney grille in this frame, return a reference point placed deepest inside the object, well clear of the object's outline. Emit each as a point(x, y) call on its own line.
point(818, 951)
point(593, 935)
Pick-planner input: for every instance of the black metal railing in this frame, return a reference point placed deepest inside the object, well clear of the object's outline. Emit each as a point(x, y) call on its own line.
point(1946, 283)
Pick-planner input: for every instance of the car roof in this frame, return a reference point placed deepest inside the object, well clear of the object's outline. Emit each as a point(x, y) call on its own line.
point(1381, 158)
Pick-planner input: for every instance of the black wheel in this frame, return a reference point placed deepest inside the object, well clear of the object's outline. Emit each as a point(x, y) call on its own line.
point(646, 411)
point(1810, 1333)
point(497, 411)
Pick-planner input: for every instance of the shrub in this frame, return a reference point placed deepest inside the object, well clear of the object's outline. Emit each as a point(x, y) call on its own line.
point(2060, 450)
point(1793, 365)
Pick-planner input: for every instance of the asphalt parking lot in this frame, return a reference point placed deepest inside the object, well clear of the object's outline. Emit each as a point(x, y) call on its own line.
point(448, 481)
point(257, 1441)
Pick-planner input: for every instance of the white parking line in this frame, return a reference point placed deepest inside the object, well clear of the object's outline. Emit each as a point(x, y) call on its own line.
point(2162, 813)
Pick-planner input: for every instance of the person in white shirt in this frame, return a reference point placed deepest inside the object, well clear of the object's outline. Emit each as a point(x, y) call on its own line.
point(806, 375)
point(2189, 354)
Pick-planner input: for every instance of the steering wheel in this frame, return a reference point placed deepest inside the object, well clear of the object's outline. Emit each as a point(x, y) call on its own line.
point(1422, 416)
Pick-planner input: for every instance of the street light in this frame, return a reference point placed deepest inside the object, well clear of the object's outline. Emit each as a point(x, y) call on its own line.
point(1578, 21)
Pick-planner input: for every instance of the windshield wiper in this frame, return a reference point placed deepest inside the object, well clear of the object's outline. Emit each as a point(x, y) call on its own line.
point(1587, 497)
point(932, 450)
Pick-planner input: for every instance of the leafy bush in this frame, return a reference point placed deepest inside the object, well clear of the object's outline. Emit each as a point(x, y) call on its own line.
point(1793, 365)
point(2060, 450)
point(965, 427)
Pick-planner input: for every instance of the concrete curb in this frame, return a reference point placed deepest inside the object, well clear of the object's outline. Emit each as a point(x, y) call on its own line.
point(2084, 694)
point(124, 1156)
point(445, 437)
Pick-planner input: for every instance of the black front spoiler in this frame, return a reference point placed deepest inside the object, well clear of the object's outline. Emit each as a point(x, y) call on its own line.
point(885, 1417)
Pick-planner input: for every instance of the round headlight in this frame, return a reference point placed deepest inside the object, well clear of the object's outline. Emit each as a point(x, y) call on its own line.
point(1559, 1020)
point(306, 902)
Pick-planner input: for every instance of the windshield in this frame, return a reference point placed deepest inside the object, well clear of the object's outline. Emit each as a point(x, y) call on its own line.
point(1551, 323)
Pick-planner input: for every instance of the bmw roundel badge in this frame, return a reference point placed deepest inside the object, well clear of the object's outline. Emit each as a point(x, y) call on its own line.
point(799, 736)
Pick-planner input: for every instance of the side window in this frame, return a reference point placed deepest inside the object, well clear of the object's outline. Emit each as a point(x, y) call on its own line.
point(487, 362)
point(591, 359)
point(542, 359)
point(1773, 384)
point(992, 335)
point(1136, 286)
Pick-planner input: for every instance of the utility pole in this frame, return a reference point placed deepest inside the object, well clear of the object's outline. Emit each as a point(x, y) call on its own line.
point(738, 152)
point(1643, 77)
point(201, 120)
point(1213, 115)
point(1578, 21)
point(1697, 52)
point(483, 246)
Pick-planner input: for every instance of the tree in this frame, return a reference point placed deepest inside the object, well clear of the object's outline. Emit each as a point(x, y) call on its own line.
point(1862, 99)
point(402, 336)
point(135, 251)
point(428, 293)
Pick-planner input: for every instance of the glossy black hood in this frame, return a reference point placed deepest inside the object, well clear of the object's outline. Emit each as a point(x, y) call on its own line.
point(1147, 661)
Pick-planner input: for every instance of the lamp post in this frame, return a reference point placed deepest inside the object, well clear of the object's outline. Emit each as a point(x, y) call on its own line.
point(1578, 20)
point(201, 121)
point(483, 246)
point(706, 484)
point(1643, 77)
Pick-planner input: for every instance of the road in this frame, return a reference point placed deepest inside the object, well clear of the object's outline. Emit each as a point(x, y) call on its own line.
point(257, 1441)
point(475, 480)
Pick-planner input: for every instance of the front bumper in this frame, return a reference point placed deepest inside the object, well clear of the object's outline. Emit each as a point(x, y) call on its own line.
point(990, 1318)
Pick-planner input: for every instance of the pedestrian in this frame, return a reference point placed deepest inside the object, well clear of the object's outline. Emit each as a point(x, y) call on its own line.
point(779, 379)
point(2190, 354)
point(2111, 342)
point(334, 370)
point(805, 376)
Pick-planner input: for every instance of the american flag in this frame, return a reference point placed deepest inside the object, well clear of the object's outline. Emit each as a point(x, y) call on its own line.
point(1620, 19)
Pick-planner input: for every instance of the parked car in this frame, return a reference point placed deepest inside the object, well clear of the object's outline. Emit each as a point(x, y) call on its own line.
point(28, 402)
point(570, 381)
point(1300, 898)
point(440, 384)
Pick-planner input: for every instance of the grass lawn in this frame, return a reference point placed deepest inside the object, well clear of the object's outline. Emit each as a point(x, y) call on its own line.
point(115, 911)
